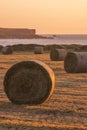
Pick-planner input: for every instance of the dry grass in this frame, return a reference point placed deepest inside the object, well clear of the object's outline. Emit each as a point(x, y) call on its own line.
point(65, 110)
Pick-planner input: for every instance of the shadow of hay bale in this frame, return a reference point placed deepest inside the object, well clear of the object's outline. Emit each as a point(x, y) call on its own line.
point(76, 62)
point(29, 82)
point(58, 54)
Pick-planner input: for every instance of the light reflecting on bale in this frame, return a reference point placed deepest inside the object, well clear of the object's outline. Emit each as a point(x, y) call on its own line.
point(76, 62)
point(58, 54)
point(29, 82)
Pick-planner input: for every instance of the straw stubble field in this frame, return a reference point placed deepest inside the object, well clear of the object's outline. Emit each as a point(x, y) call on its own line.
point(65, 110)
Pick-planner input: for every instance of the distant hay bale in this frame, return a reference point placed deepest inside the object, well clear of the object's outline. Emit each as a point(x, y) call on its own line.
point(7, 50)
point(29, 82)
point(38, 50)
point(76, 62)
point(58, 54)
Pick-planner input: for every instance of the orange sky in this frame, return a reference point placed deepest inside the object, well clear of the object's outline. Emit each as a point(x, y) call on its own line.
point(47, 16)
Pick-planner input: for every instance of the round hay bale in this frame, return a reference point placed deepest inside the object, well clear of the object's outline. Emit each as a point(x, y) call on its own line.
point(7, 50)
point(76, 62)
point(38, 50)
point(58, 54)
point(29, 82)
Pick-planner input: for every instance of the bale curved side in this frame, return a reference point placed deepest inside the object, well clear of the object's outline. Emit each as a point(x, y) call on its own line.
point(58, 54)
point(38, 50)
point(76, 62)
point(7, 50)
point(29, 82)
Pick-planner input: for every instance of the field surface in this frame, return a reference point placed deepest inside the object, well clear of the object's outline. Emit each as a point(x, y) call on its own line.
point(65, 110)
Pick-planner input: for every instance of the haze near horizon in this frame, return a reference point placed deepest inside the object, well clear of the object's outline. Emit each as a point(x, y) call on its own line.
point(46, 16)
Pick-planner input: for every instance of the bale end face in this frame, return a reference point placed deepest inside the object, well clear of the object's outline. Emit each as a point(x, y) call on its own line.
point(29, 82)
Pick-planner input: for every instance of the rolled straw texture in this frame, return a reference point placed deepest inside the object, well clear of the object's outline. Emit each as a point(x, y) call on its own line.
point(76, 62)
point(58, 54)
point(29, 82)
point(38, 50)
point(7, 50)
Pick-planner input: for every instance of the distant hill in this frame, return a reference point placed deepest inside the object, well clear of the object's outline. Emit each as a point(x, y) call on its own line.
point(19, 33)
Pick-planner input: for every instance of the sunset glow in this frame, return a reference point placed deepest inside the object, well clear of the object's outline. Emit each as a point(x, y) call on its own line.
point(46, 16)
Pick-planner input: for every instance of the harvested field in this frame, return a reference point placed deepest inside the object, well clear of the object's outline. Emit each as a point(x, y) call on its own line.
point(65, 110)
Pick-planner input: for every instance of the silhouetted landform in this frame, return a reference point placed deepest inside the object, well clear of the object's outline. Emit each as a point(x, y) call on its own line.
point(71, 36)
point(18, 33)
point(30, 47)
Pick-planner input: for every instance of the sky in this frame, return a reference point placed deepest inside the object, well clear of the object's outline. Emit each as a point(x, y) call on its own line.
point(46, 16)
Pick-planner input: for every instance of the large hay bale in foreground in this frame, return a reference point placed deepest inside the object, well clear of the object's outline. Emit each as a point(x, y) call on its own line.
point(29, 82)
point(58, 54)
point(38, 50)
point(7, 50)
point(76, 62)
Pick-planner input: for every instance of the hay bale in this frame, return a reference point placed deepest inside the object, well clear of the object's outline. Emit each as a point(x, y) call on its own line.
point(76, 62)
point(58, 54)
point(29, 82)
point(38, 50)
point(7, 50)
